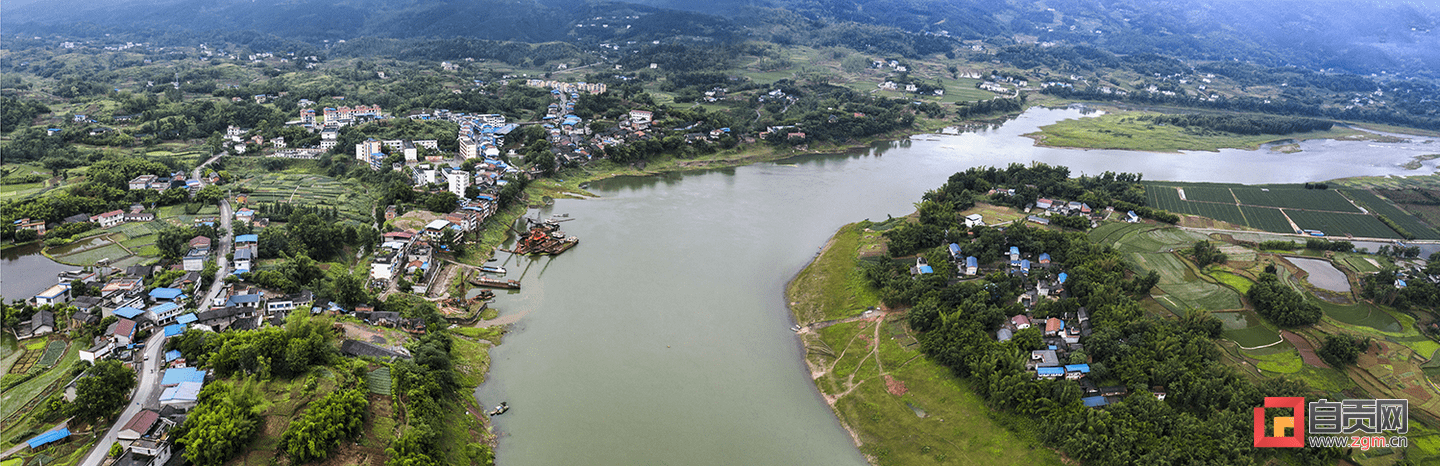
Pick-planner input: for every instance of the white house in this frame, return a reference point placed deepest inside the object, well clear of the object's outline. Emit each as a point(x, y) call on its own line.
point(58, 294)
point(974, 220)
point(459, 180)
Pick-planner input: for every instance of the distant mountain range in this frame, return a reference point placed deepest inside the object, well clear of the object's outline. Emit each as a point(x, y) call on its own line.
point(1361, 36)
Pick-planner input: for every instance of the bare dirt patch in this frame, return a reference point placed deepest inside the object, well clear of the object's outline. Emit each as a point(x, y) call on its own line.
point(1307, 352)
point(415, 219)
point(895, 387)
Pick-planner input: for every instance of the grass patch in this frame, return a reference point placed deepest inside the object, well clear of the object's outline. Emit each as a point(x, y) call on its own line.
point(1363, 314)
point(1124, 131)
point(1239, 283)
point(833, 287)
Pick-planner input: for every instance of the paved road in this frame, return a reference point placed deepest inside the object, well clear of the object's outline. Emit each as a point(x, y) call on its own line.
point(226, 237)
point(148, 384)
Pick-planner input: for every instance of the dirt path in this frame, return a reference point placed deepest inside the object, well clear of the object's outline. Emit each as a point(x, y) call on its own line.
point(1307, 352)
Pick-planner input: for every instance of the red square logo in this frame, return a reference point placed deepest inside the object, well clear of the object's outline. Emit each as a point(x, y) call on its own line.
point(1296, 423)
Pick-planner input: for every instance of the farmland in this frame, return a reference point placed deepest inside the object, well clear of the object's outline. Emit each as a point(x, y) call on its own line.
point(1335, 224)
point(1380, 206)
point(1293, 198)
point(353, 200)
point(1209, 194)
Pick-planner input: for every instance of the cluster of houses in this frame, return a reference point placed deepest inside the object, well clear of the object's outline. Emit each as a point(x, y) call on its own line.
point(571, 88)
point(1046, 208)
point(370, 151)
point(109, 219)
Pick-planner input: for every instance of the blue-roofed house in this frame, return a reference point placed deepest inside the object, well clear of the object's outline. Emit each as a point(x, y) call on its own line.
point(1025, 266)
point(172, 355)
point(955, 251)
point(184, 395)
point(1399, 283)
point(161, 312)
point(1014, 254)
point(1044, 258)
point(924, 269)
point(178, 375)
point(972, 265)
point(242, 239)
point(244, 300)
point(167, 294)
point(1076, 371)
point(48, 437)
point(129, 312)
point(174, 329)
point(187, 318)
point(1049, 372)
point(1094, 401)
point(1132, 217)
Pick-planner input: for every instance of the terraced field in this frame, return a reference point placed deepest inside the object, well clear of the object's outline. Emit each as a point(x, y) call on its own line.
point(1181, 285)
point(353, 200)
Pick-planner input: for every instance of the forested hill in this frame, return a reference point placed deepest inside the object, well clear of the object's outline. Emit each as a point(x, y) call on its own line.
point(1364, 37)
point(319, 20)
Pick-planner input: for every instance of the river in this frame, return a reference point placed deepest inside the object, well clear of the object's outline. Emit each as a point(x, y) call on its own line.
point(663, 337)
point(25, 272)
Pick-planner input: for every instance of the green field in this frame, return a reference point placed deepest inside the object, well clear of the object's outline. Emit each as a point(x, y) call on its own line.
point(1247, 329)
point(1380, 206)
point(1335, 224)
point(1293, 198)
point(1237, 282)
point(353, 199)
point(1363, 314)
point(1218, 194)
point(1124, 131)
point(1262, 218)
point(53, 352)
point(1358, 263)
point(1180, 284)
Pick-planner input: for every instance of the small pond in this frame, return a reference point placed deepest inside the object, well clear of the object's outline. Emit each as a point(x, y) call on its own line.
point(1323, 274)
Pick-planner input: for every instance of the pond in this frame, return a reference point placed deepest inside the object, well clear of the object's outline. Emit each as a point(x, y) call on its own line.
point(1323, 274)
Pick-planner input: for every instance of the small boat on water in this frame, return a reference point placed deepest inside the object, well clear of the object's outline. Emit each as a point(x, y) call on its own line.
point(500, 409)
point(492, 269)
point(495, 283)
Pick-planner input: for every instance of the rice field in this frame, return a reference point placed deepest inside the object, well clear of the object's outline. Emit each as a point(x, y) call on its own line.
point(1237, 282)
point(1246, 329)
point(53, 352)
point(1219, 194)
point(1363, 314)
point(1182, 286)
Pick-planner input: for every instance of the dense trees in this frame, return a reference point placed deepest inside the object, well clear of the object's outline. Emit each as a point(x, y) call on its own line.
point(1205, 254)
point(107, 388)
point(16, 112)
point(1280, 304)
point(1243, 124)
point(1342, 350)
point(337, 416)
point(267, 352)
point(224, 422)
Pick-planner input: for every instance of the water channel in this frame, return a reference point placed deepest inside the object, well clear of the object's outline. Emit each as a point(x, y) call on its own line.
point(663, 338)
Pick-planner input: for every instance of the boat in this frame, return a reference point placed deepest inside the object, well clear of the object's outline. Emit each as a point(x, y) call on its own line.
point(495, 283)
point(500, 409)
point(492, 269)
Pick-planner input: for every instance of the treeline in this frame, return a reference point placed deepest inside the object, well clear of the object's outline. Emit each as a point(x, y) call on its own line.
point(965, 110)
point(1243, 124)
point(1279, 303)
point(282, 211)
point(17, 112)
point(1290, 107)
point(1040, 180)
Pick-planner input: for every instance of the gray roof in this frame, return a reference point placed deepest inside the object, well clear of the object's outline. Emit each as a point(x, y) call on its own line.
point(42, 319)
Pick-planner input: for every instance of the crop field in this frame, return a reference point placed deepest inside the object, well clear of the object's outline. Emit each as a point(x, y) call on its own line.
point(1283, 362)
point(1358, 263)
point(1181, 285)
point(1404, 219)
point(91, 256)
point(53, 352)
point(379, 381)
point(352, 199)
point(1219, 194)
point(1237, 282)
point(1246, 329)
point(1363, 314)
point(1265, 219)
point(1168, 198)
point(1294, 198)
point(1335, 224)
point(1111, 233)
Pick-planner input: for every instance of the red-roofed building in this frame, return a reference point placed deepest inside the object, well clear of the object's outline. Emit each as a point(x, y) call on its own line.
point(122, 331)
point(200, 242)
point(109, 219)
point(1053, 326)
point(1020, 322)
point(138, 425)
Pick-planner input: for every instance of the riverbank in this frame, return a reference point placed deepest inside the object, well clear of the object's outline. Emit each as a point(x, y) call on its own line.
point(898, 406)
point(1124, 131)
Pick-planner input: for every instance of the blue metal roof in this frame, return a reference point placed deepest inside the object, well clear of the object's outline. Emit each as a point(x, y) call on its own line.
point(1050, 370)
point(186, 318)
point(926, 269)
point(954, 248)
point(1014, 250)
point(1044, 256)
point(163, 308)
point(972, 262)
point(48, 437)
point(1063, 277)
point(182, 374)
point(1078, 367)
point(128, 312)
point(1025, 264)
point(1094, 401)
point(174, 329)
point(247, 239)
point(166, 293)
point(172, 355)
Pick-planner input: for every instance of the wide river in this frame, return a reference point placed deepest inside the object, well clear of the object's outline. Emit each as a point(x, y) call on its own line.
point(663, 338)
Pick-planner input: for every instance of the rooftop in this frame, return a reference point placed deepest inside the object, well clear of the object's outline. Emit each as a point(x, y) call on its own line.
point(180, 375)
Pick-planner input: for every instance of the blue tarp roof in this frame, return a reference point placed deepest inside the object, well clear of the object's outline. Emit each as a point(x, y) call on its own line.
point(247, 239)
point(128, 312)
point(182, 374)
point(1094, 401)
point(163, 308)
point(186, 318)
point(1078, 367)
point(926, 269)
point(1063, 277)
point(174, 329)
point(954, 248)
point(1025, 263)
point(1044, 256)
point(48, 437)
point(240, 271)
point(1014, 250)
point(172, 355)
point(166, 293)
point(972, 262)
point(1050, 370)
